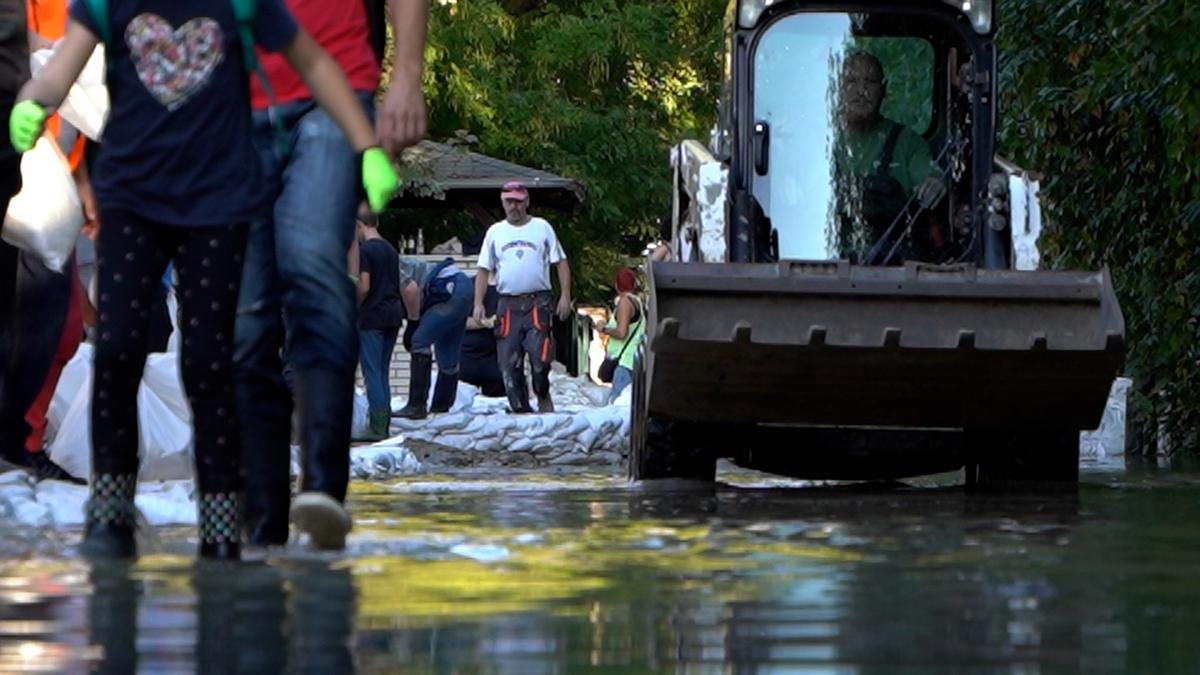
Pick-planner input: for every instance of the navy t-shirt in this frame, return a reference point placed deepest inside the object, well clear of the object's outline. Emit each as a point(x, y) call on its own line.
point(381, 308)
point(177, 149)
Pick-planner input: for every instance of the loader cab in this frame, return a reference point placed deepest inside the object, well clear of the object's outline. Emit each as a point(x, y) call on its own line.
point(861, 131)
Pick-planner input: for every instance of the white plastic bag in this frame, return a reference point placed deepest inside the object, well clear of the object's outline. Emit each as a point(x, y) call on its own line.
point(86, 105)
point(45, 217)
point(164, 419)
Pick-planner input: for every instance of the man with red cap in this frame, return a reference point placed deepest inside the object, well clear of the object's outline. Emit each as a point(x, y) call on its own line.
point(519, 251)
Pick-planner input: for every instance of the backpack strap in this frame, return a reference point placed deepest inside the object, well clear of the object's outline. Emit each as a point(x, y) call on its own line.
point(244, 12)
point(99, 11)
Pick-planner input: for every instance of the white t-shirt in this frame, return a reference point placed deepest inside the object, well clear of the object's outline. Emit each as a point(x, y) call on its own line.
point(521, 255)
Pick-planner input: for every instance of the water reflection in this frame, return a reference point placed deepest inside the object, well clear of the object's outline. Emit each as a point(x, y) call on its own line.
point(763, 580)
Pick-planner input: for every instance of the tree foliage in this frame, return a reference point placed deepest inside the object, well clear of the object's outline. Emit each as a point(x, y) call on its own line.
point(1100, 97)
point(597, 90)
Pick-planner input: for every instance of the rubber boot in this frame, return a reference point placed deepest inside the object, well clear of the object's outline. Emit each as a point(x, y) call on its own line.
point(444, 392)
point(266, 426)
point(378, 421)
point(377, 426)
point(325, 397)
point(418, 387)
point(111, 517)
point(220, 525)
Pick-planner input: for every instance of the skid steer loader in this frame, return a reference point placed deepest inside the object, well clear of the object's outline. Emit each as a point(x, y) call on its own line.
point(843, 300)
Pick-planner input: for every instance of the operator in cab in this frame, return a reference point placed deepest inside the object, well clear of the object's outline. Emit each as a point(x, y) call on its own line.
point(881, 165)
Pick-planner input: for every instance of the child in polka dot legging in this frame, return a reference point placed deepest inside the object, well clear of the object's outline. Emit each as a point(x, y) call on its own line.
point(177, 179)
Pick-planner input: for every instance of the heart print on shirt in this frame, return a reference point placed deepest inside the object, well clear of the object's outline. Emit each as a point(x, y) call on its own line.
point(174, 63)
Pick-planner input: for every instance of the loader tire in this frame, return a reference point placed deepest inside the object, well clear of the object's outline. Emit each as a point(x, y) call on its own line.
point(662, 448)
point(996, 458)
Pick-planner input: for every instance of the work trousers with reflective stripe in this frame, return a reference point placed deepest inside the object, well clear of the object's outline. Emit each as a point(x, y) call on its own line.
point(523, 327)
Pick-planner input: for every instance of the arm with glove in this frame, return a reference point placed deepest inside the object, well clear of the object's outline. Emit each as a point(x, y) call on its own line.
point(410, 295)
point(329, 87)
point(46, 92)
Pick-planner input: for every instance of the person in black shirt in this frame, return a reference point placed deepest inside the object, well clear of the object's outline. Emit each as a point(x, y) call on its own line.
point(379, 321)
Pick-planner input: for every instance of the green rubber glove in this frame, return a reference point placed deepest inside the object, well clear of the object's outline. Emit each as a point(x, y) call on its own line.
point(379, 178)
point(25, 124)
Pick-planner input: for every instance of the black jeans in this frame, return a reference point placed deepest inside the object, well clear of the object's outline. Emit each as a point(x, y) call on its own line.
point(524, 329)
point(10, 397)
point(38, 305)
point(132, 254)
point(482, 369)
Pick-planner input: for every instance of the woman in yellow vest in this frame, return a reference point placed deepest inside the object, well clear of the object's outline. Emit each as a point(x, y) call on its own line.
point(624, 330)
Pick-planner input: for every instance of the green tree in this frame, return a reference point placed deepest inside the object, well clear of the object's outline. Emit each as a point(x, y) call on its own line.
point(596, 90)
point(1101, 97)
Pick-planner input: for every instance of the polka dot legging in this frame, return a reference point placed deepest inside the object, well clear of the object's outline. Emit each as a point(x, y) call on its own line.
point(132, 254)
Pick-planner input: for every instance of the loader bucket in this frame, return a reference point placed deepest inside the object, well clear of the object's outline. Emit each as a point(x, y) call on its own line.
point(920, 346)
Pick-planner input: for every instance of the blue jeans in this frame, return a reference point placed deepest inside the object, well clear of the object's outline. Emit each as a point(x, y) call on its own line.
point(443, 325)
point(297, 304)
point(375, 356)
point(622, 377)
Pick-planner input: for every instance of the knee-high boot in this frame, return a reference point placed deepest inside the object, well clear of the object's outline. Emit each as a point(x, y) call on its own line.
point(418, 387)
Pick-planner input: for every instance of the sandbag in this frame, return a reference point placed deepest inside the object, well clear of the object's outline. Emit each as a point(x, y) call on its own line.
point(45, 217)
point(164, 419)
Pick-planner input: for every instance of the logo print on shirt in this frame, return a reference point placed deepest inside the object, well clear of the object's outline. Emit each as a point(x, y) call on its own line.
point(174, 63)
point(520, 245)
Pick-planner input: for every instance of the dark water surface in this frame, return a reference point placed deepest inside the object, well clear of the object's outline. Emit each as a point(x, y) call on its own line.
point(537, 575)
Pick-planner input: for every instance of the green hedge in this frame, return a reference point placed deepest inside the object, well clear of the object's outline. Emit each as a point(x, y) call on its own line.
point(1101, 97)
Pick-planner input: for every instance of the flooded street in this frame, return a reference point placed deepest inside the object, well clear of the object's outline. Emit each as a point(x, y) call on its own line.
point(536, 573)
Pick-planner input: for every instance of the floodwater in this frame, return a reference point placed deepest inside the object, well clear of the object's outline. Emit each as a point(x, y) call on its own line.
point(530, 574)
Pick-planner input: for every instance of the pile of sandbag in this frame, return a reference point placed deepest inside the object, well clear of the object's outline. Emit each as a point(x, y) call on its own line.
point(164, 418)
point(582, 430)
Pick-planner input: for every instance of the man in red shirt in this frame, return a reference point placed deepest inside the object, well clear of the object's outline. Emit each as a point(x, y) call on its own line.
point(297, 301)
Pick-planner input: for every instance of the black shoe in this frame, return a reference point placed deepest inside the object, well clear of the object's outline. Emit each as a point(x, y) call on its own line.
point(45, 468)
point(108, 541)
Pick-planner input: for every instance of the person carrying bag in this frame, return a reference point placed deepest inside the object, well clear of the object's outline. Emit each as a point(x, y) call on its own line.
point(625, 329)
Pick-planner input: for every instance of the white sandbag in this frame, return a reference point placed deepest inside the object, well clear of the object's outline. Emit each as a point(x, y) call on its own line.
point(75, 377)
point(358, 418)
point(45, 217)
point(72, 447)
point(164, 419)
point(86, 105)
